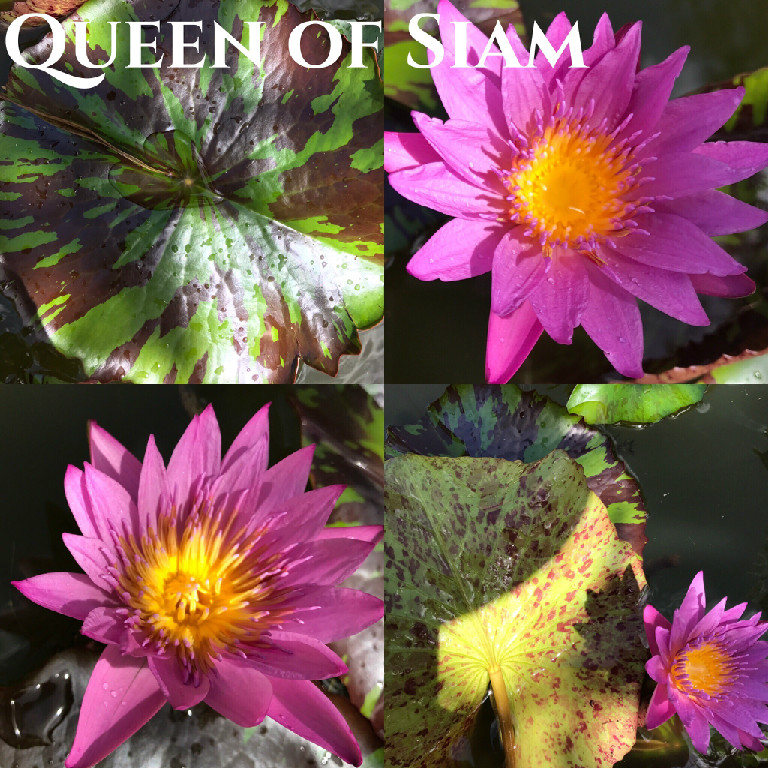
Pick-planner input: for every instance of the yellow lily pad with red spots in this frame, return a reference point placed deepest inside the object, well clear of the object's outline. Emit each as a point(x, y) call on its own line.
point(503, 567)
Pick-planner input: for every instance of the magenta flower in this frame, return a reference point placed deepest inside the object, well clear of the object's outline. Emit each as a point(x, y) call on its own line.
point(710, 668)
point(209, 580)
point(580, 190)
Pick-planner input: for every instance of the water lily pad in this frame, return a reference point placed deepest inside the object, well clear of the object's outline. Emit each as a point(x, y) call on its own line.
point(502, 567)
point(51, 7)
point(210, 224)
point(632, 403)
point(504, 422)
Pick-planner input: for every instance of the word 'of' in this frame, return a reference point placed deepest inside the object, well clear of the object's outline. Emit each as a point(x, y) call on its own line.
point(179, 45)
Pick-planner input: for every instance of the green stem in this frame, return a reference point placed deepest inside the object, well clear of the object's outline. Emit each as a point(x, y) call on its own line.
point(504, 714)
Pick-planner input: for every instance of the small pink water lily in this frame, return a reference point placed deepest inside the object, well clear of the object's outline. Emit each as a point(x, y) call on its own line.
point(711, 669)
point(209, 580)
point(580, 190)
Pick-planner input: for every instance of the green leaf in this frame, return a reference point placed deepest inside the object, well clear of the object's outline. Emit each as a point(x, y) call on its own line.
point(503, 422)
point(209, 225)
point(502, 566)
point(752, 370)
point(632, 403)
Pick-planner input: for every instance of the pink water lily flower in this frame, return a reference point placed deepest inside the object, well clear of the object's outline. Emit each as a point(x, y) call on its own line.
point(580, 190)
point(710, 669)
point(209, 580)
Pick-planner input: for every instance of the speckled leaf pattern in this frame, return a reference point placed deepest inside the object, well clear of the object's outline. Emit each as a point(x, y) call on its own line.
point(413, 86)
point(208, 225)
point(347, 427)
point(632, 403)
point(492, 563)
point(51, 7)
point(504, 422)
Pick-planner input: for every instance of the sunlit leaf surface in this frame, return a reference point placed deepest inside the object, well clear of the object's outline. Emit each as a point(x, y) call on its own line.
point(203, 224)
point(632, 403)
point(501, 566)
point(504, 422)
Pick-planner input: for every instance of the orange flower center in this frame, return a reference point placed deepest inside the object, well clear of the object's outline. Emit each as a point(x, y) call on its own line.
point(704, 670)
point(569, 188)
point(199, 589)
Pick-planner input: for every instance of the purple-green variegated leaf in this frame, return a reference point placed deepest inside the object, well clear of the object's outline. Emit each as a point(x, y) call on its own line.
point(504, 422)
point(495, 566)
point(202, 224)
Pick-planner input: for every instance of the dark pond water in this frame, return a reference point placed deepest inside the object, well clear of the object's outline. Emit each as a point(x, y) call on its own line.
point(437, 331)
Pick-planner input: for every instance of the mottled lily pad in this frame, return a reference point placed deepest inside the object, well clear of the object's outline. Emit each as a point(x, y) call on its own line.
point(632, 403)
point(504, 422)
point(209, 224)
point(502, 567)
point(51, 7)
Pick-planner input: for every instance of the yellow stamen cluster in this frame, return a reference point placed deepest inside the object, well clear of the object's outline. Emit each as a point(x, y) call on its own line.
point(569, 187)
point(199, 588)
point(704, 670)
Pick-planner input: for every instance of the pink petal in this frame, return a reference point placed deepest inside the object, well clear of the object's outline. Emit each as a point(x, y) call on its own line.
point(732, 286)
point(669, 292)
point(560, 299)
point(286, 480)
point(657, 670)
point(369, 533)
point(603, 41)
point(111, 504)
point(79, 502)
point(295, 656)
point(406, 150)
point(72, 594)
point(676, 175)
point(510, 341)
point(691, 610)
point(110, 457)
point(458, 250)
point(744, 158)
point(153, 494)
point(103, 625)
point(172, 681)
point(518, 267)
point(612, 320)
point(523, 92)
point(686, 122)
point(677, 245)
point(247, 458)
point(652, 89)
point(468, 94)
point(693, 720)
point(300, 707)
point(329, 561)
point(121, 696)
point(240, 693)
point(715, 213)
point(436, 186)
point(653, 619)
point(467, 148)
point(196, 455)
point(660, 709)
point(618, 68)
point(336, 613)
point(91, 557)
